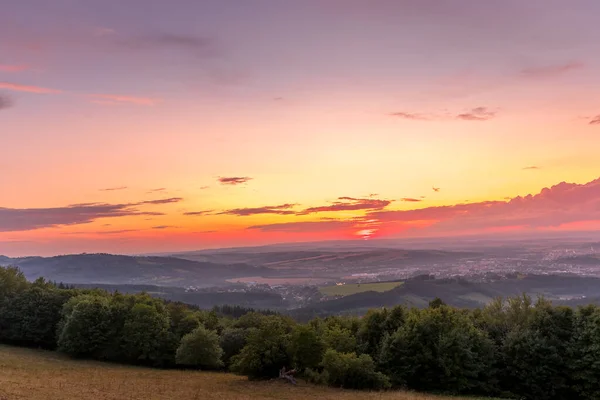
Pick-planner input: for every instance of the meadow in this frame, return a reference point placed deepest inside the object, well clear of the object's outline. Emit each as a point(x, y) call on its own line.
point(353, 288)
point(41, 375)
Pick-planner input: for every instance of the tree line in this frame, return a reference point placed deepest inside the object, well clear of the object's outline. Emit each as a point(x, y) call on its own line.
point(516, 347)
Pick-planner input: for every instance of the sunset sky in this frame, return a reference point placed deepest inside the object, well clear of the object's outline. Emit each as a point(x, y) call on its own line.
point(139, 126)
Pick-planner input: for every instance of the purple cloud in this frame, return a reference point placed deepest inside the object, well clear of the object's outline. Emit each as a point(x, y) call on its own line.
point(234, 180)
point(25, 219)
point(163, 201)
point(110, 189)
point(348, 204)
point(551, 70)
point(477, 114)
point(283, 209)
point(5, 102)
point(200, 213)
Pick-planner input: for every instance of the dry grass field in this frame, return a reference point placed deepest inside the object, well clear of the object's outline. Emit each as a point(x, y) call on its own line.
point(41, 375)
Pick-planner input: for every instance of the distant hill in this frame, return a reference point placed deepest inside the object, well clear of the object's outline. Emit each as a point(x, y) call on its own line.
point(119, 269)
point(329, 259)
point(459, 292)
point(258, 299)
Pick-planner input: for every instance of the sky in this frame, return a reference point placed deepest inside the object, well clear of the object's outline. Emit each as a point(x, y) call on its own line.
point(147, 125)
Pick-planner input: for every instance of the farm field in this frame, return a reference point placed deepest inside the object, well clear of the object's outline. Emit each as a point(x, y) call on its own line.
point(41, 375)
point(353, 288)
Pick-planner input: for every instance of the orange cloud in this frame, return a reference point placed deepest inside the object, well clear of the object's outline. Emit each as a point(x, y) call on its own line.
point(29, 89)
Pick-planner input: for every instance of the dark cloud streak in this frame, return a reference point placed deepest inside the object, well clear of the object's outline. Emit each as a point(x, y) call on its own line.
point(199, 46)
point(25, 219)
point(199, 213)
point(283, 209)
point(234, 180)
point(348, 204)
point(5, 102)
point(477, 114)
point(551, 70)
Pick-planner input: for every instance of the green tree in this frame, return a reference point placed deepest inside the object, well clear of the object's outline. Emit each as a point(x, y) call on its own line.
point(266, 351)
point(146, 337)
point(372, 331)
point(85, 330)
point(200, 348)
point(31, 317)
point(339, 339)
point(306, 347)
point(232, 341)
point(585, 364)
point(182, 319)
point(438, 349)
point(12, 282)
point(537, 354)
point(349, 371)
point(436, 303)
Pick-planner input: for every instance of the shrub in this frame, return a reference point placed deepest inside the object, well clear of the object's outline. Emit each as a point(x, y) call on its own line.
point(200, 348)
point(349, 371)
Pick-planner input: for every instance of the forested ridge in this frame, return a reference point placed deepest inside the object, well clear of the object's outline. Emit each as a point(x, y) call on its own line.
point(514, 348)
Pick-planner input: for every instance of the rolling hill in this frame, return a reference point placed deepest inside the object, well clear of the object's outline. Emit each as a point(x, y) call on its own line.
point(119, 269)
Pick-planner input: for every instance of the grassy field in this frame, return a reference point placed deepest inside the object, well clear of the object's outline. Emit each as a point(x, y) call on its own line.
point(41, 375)
point(353, 288)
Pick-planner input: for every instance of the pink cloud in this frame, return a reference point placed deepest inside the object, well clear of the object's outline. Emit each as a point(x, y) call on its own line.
point(118, 99)
point(555, 208)
point(560, 204)
point(551, 70)
point(29, 89)
point(412, 116)
point(13, 68)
